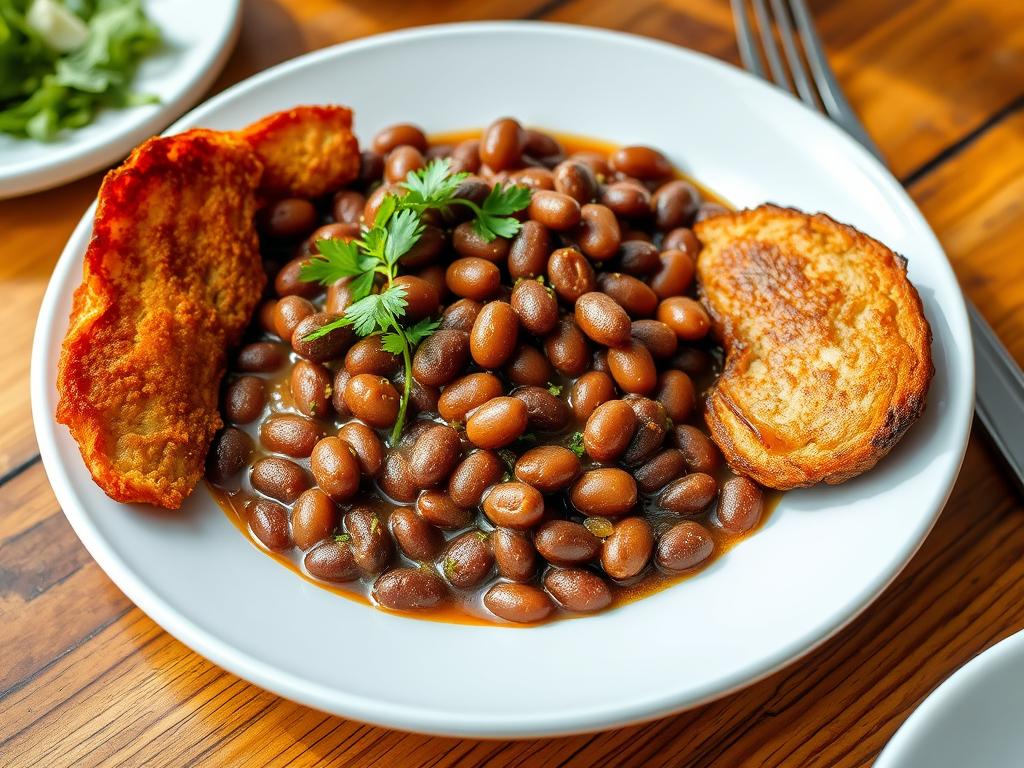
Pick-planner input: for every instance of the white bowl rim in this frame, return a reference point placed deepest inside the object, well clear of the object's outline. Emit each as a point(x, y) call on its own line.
point(420, 719)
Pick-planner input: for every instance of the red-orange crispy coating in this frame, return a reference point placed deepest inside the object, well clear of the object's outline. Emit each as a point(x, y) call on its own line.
point(171, 277)
point(305, 151)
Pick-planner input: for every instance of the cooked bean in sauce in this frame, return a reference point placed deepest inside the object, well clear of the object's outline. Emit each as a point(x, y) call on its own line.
point(553, 460)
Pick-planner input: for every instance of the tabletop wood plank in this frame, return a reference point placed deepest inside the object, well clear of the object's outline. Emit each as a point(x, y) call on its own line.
point(87, 679)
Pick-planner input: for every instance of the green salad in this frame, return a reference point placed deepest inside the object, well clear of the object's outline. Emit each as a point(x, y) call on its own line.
point(63, 60)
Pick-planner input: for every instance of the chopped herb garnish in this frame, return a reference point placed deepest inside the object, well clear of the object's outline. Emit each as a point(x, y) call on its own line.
point(554, 389)
point(341, 538)
point(576, 444)
point(396, 229)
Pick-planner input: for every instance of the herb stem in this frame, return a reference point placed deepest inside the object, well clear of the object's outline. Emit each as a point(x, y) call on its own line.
point(403, 406)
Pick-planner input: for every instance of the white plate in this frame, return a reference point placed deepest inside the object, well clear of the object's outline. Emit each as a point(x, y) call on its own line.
point(973, 719)
point(198, 37)
point(823, 555)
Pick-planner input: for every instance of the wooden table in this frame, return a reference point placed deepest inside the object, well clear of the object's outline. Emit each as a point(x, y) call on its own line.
point(87, 679)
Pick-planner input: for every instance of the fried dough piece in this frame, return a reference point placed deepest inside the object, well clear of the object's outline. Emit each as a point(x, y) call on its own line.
point(828, 357)
point(305, 151)
point(171, 277)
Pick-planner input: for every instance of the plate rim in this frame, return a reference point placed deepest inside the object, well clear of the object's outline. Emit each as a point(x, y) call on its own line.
point(73, 161)
point(422, 719)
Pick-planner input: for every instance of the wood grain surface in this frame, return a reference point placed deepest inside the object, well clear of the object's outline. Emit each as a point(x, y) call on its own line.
point(87, 679)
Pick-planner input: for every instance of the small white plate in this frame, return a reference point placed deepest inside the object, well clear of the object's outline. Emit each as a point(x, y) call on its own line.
point(198, 38)
point(824, 554)
point(973, 719)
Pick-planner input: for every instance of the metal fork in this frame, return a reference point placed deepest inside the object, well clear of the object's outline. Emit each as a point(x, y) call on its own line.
point(999, 382)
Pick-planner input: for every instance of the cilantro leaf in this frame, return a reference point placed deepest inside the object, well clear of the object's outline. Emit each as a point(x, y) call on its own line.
point(362, 285)
point(576, 444)
point(404, 231)
point(387, 207)
point(554, 389)
point(434, 185)
point(421, 330)
point(393, 342)
point(337, 259)
point(493, 220)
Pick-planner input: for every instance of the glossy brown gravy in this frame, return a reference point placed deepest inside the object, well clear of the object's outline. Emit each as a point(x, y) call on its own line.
point(467, 608)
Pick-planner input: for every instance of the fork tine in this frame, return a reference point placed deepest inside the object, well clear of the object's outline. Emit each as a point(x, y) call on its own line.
point(745, 39)
point(836, 105)
point(771, 50)
point(796, 66)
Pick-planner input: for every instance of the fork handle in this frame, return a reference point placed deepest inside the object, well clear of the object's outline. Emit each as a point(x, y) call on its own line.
point(999, 386)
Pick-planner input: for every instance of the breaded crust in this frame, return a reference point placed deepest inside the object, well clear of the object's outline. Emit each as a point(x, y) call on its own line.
point(305, 151)
point(828, 356)
point(171, 277)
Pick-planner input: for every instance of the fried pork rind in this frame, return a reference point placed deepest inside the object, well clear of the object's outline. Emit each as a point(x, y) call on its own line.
point(305, 151)
point(171, 277)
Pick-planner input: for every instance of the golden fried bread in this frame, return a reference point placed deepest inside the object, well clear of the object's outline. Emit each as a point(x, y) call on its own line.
point(171, 277)
point(828, 356)
point(305, 151)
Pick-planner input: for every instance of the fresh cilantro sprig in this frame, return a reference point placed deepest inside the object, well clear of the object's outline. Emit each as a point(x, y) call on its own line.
point(374, 257)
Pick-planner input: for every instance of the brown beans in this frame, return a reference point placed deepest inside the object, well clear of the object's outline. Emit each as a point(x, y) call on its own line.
point(542, 146)
point(675, 274)
point(554, 210)
point(288, 281)
point(463, 395)
point(314, 518)
point(660, 340)
point(441, 357)
point(501, 147)
point(407, 589)
point(372, 399)
point(434, 455)
point(640, 163)
point(685, 316)
point(566, 348)
point(400, 161)
point(341, 378)
point(628, 550)
point(675, 391)
point(633, 368)
point(269, 523)
point(545, 412)
point(684, 546)
point(528, 253)
point(570, 274)
point(331, 561)
point(633, 295)
point(514, 554)
point(528, 366)
point(493, 338)
point(497, 422)
point(638, 258)
point(469, 243)
point(289, 312)
point(534, 178)
point(578, 590)
point(627, 199)
point(660, 470)
point(535, 306)
point(310, 386)
point(461, 315)
point(604, 492)
point(368, 356)
point(700, 453)
point(335, 468)
point(651, 426)
point(421, 297)
point(740, 505)
point(466, 157)
point(562, 542)
point(396, 135)
point(260, 357)
point(327, 347)
point(598, 233)
point(519, 603)
point(366, 445)
point(438, 508)
point(289, 434)
point(229, 452)
point(589, 391)
point(689, 494)
point(682, 239)
point(244, 399)
point(548, 468)
point(609, 430)
point(467, 560)
point(474, 475)
point(431, 244)
point(278, 478)
point(417, 538)
point(347, 206)
point(514, 505)
point(371, 545)
point(602, 319)
point(576, 180)
point(473, 278)
point(675, 204)
point(291, 217)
